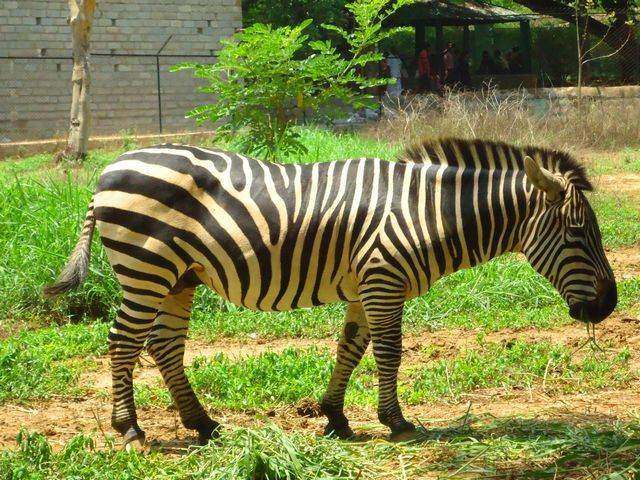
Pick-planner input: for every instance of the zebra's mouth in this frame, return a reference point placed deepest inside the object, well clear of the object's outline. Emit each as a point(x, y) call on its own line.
point(595, 311)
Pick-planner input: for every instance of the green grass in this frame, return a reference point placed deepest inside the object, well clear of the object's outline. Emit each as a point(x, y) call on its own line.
point(265, 381)
point(627, 161)
point(618, 217)
point(271, 379)
point(516, 364)
point(49, 361)
point(479, 448)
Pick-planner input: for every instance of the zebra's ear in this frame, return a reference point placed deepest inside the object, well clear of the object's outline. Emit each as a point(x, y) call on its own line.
point(543, 179)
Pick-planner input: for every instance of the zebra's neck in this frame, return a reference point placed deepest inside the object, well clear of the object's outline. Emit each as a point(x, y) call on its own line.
point(470, 214)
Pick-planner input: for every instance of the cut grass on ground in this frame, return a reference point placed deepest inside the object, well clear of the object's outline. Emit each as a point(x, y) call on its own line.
point(477, 448)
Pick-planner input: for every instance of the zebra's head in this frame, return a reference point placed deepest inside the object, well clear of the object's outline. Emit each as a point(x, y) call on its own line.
point(564, 244)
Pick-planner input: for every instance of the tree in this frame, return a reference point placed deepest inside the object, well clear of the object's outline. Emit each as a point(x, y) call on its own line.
point(618, 34)
point(80, 20)
point(282, 13)
point(265, 76)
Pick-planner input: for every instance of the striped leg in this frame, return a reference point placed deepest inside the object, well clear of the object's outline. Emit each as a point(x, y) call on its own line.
point(166, 346)
point(126, 340)
point(384, 315)
point(352, 345)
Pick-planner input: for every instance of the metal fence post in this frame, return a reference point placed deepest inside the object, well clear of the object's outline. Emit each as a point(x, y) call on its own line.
point(158, 84)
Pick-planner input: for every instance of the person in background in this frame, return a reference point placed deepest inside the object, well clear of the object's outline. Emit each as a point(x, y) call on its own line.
point(486, 66)
point(515, 60)
point(499, 62)
point(424, 70)
point(449, 63)
point(383, 72)
point(395, 71)
point(464, 74)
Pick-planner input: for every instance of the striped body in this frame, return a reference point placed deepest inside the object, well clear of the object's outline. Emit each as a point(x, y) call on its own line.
point(369, 232)
point(279, 237)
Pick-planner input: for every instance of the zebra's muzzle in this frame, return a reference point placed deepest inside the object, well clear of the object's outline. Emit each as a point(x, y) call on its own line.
point(597, 310)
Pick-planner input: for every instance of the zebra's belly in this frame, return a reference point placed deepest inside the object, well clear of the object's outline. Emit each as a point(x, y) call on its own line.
point(270, 292)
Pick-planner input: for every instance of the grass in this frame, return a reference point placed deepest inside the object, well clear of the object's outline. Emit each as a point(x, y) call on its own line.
point(517, 364)
point(269, 380)
point(481, 448)
point(627, 160)
point(509, 116)
point(46, 362)
point(268, 453)
point(618, 217)
point(265, 381)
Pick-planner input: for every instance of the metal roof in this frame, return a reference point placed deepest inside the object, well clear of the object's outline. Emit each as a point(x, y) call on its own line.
point(443, 12)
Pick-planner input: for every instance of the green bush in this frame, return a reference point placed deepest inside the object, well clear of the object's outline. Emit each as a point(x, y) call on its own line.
point(265, 77)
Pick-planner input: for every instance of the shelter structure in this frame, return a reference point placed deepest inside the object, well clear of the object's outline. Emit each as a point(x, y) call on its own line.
point(442, 13)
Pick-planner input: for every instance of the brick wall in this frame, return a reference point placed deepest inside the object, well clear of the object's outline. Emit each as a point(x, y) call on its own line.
point(35, 94)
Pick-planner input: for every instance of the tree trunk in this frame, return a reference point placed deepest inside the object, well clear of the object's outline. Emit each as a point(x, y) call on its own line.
point(619, 36)
point(80, 20)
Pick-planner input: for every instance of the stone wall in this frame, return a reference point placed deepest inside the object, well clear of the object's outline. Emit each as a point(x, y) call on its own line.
point(35, 93)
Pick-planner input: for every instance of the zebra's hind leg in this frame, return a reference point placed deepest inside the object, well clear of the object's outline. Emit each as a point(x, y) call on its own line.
point(166, 346)
point(352, 345)
point(384, 316)
point(126, 339)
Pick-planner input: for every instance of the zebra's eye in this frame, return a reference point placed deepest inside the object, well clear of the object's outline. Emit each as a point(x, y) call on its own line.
point(574, 231)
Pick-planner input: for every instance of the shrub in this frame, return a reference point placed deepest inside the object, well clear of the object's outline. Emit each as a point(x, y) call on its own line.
point(265, 77)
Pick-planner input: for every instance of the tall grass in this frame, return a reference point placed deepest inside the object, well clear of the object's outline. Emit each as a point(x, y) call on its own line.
point(516, 118)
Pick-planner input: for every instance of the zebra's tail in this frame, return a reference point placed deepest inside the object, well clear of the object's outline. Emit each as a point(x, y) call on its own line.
point(76, 269)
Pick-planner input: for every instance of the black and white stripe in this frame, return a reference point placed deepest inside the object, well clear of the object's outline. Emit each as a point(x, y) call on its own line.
point(369, 232)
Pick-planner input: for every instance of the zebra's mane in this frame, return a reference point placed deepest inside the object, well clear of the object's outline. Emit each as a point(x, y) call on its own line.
point(430, 151)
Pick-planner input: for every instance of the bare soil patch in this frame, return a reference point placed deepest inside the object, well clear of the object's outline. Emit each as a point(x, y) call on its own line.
point(622, 183)
point(625, 262)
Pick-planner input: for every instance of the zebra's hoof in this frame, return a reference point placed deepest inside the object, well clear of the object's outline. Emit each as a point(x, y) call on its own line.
point(404, 432)
point(344, 432)
point(134, 439)
point(208, 430)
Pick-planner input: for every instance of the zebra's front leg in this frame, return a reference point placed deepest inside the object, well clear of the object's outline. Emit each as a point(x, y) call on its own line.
point(166, 346)
point(352, 345)
point(126, 340)
point(384, 316)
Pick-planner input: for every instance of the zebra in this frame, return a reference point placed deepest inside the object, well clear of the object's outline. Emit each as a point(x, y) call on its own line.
point(368, 232)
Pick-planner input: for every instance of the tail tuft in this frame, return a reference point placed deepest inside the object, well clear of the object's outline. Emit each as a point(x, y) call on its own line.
point(77, 268)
